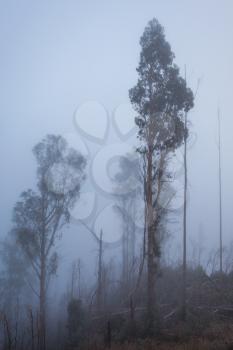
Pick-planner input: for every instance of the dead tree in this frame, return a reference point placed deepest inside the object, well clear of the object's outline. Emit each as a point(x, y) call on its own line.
point(76, 279)
point(99, 294)
point(31, 322)
point(128, 189)
point(220, 193)
point(184, 267)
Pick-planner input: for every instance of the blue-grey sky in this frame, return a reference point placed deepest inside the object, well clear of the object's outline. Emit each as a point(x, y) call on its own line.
point(57, 54)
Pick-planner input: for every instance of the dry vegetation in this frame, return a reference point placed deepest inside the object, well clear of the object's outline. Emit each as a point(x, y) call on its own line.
point(216, 337)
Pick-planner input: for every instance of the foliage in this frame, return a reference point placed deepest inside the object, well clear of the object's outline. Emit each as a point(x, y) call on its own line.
point(40, 216)
point(160, 96)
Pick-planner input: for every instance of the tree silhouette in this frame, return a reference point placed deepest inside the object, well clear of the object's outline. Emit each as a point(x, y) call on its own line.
point(39, 216)
point(161, 99)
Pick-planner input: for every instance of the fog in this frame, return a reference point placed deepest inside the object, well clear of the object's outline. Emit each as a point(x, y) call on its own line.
point(66, 68)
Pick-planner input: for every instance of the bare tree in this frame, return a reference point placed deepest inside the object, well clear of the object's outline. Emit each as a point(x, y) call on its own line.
point(99, 293)
point(128, 192)
point(185, 219)
point(220, 192)
point(76, 279)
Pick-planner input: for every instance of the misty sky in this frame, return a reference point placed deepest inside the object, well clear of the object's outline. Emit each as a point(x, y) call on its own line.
point(57, 54)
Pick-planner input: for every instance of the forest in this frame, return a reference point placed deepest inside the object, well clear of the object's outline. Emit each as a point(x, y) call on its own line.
point(136, 288)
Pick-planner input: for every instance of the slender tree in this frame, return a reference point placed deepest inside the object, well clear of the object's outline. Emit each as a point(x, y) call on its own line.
point(160, 98)
point(40, 216)
point(99, 294)
point(185, 220)
point(128, 191)
point(220, 192)
point(76, 279)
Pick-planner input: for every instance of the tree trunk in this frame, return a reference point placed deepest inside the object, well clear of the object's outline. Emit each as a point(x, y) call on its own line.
point(42, 316)
point(150, 251)
point(220, 193)
point(184, 297)
point(100, 273)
